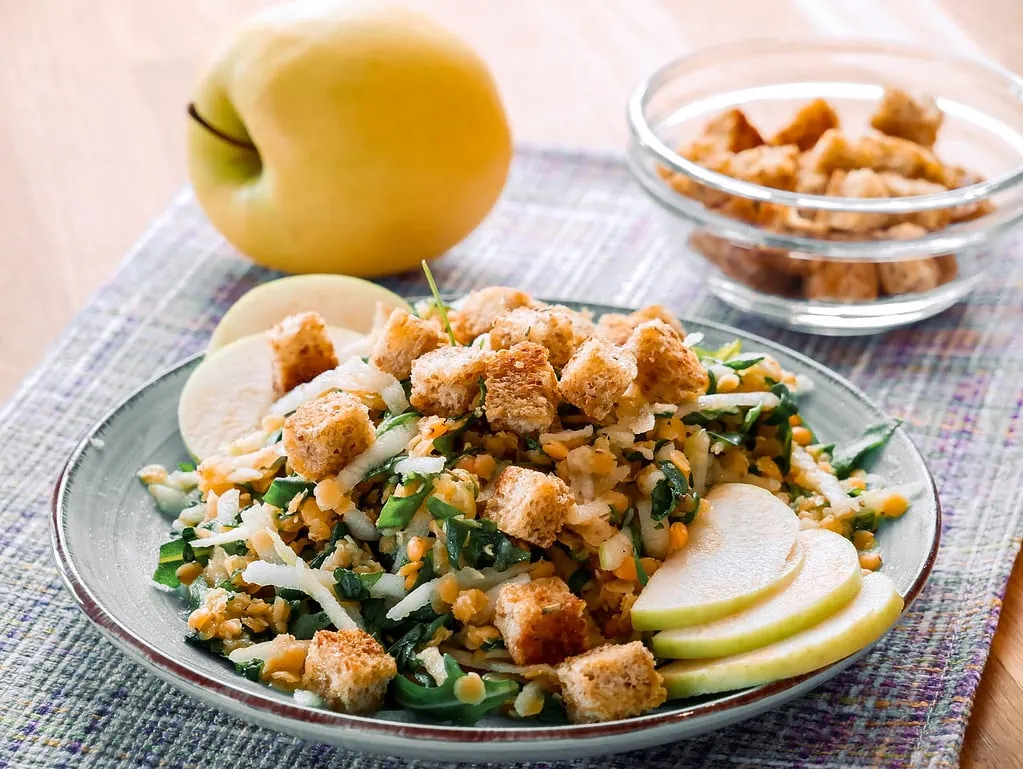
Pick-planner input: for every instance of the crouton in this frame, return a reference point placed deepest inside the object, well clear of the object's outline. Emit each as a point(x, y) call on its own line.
point(776, 167)
point(810, 179)
point(911, 276)
point(807, 125)
point(860, 183)
point(955, 178)
point(684, 185)
point(325, 434)
point(948, 267)
point(529, 504)
point(609, 683)
point(833, 151)
point(668, 371)
point(301, 350)
point(765, 269)
point(899, 186)
point(730, 132)
point(349, 670)
point(881, 152)
point(403, 339)
point(522, 389)
point(618, 328)
point(542, 621)
point(445, 382)
point(597, 376)
point(558, 329)
point(841, 281)
point(481, 308)
point(916, 120)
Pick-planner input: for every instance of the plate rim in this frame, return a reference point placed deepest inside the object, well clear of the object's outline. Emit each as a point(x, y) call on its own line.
point(259, 706)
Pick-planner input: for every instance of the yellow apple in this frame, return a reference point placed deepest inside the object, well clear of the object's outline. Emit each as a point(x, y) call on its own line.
point(228, 394)
point(828, 579)
point(345, 136)
point(741, 549)
point(861, 622)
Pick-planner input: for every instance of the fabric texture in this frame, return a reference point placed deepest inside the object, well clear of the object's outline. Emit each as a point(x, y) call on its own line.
point(572, 226)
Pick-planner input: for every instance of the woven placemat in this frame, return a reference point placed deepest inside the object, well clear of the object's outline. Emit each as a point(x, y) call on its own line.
point(571, 225)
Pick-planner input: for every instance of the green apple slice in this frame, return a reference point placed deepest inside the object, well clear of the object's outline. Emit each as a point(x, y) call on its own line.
point(861, 622)
point(829, 578)
point(342, 300)
point(742, 549)
point(229, 393)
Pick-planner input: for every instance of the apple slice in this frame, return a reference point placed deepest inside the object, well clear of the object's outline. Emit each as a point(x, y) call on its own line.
point(861, 622)
point(229, 393)
point(828, 580)
point(342, 300)
point(737, 552)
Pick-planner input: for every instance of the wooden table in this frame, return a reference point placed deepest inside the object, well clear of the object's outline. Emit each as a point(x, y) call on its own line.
point(92, 124)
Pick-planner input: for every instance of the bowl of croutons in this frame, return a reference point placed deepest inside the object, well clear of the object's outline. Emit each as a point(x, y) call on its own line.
point(837, 187)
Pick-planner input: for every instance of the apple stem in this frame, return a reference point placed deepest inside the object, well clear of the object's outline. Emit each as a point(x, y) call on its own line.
point(194, 114)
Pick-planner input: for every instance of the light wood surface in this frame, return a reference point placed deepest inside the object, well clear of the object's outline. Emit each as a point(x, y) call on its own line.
point(92, 122)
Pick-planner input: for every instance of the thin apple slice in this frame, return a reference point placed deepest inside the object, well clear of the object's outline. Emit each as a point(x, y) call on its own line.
point(229, 393)
point(740, 550)
point(829, 578)
point(861, 622)
point(342, 300)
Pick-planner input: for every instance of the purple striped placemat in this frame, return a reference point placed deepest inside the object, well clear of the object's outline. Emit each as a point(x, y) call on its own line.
point(572, 225)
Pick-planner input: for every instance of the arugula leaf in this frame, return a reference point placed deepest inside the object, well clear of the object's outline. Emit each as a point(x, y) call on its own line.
point(733, 439)
point(175, 553)
point(440, 509)
point(355, 587)
point(637, 545)
point(396, 419)
point(846, 457)
point(251, 669)
point(712, 381)
point(743, 363)
point(445, 444)
point(404, 649)
point(787, 407)
point(751, 418)
point(670, 494)
point(305, 625)
point(186, 467)
point(440, 702)
point(578, 580)
point(283, 490)
point(708, 415)
point(480, 543)
point(398, 511)
point(439, 303)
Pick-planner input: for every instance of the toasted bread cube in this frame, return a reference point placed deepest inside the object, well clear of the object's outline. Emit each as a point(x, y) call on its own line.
point(912, 276)
point(684, 185)
point(597, 376)
point(807, 125)
point(349, 670)
point(668, 371)
point(730, 131)
point(446, 381)
point(948, 268)
point(529, 504)
point(522, 389)
point(899, 187)
point(301, 350)
point(776, 167)
point(881, 152)
point(612, 682)
point(618, 328)
point(842, 281)
point(558, 329)
point(481, 308)
point(542, 621)
point(833, 151)
point(861, 183)
point(765, 269)
point(403, 339)
point(957, 177)
point(916, 120)
point(325, 434)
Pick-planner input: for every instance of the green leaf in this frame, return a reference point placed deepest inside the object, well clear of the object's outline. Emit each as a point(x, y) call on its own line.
point(398, 511)
point(283, 490)
point(670, 494)
point(384, 468)
point(847, 457)
point(479, 543)
point(186, 467)
point(445, 444)
point(339, 532)
point(787, 407)
point(404, 649)
point(865, 521)
point(637, 545)
point(578, 581)
point(733, 439)
point(175, 553)
point(251, 669)
point(742, 364)
point(350, 585)
point(712, 382)
point(305, 625)
point(442, 510)
point(397, 419)
point(751, 418)
point(439, 303)
point(440, 702)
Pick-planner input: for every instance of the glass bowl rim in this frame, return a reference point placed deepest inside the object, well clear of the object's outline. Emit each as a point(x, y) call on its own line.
point(643, 136)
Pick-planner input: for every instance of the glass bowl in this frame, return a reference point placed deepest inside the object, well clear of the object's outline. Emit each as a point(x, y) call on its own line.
point(768, 250)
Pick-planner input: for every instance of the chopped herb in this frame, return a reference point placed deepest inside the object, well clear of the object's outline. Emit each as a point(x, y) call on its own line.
point(283, 490)
point(440, 702)
point(846, 457)
point(440, 509)
point(483, 392)
point(491, 644)
point(708, 415)
point(441, 309)
point(197, 593)
point(552, 712)
point(634, 456)
point(480, 543)
point(742, 364)
point(398, 511)
point(186, 467)
point(865, 521)
point(304, 626)
point(339, 532)
point(251, 669)
point(670, 495)
point(397, 419)
point(404, 649)
point(355, 587)
point(532, 444)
